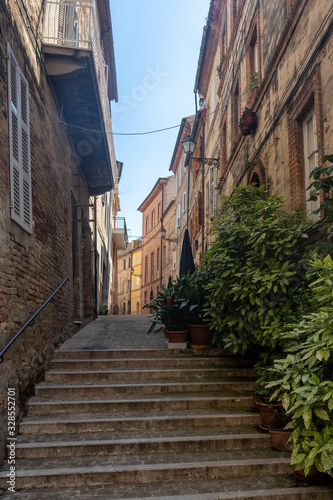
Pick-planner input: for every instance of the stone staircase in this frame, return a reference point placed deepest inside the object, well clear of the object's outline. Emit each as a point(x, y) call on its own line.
point(158, 424)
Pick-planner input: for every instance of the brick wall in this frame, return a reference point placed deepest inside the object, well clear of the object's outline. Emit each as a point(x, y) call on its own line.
point(32, 266)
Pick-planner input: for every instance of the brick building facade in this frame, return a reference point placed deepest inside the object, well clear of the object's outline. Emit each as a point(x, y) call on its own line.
point(152, 209)
point(51, 172)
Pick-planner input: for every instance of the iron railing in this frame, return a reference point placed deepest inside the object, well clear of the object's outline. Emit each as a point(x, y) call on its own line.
point(30, 321)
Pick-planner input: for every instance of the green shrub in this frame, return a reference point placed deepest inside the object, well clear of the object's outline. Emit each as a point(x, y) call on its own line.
point(257, 283)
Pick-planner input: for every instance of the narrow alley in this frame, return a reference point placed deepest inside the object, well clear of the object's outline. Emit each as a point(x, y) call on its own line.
point(121, 416)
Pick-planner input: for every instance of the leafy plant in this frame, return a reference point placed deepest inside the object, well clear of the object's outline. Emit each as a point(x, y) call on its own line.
point(104, 308)
point(254, 81)
point(323, 182)
point(256, 283)
point(170, 306)
point(304, 377)
point(195, 295)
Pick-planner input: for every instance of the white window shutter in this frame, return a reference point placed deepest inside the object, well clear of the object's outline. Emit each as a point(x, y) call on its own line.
point(178, 215)
point(174, 261)
point(19, 144)
point(184, 202)
point(212, 193)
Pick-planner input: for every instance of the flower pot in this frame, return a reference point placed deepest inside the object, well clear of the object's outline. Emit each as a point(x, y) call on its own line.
point(280, 439)
point(201, 336)
point(312, 476)
point(180, 336)
point(270, 415)
point(249, 118)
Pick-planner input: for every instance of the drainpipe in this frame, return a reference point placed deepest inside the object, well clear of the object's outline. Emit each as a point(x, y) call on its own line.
point(203, 188)
point(161, 244)
point(95, 313)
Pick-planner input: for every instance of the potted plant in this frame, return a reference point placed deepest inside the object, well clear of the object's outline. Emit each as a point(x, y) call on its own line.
point(104, 309)
point(270, 412)
point(304, 379)
point(201, 334)
point(170, 312)
point(219, 66)
point(247, 122)
point(254, 81)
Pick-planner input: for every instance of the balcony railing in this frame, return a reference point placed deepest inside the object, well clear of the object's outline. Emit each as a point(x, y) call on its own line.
point(119, 232)
point(75, 25)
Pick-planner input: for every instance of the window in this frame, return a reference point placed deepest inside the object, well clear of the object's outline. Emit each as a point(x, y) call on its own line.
point(139, 258)
point(129, 262)
point(184, 202)
point(305, 134)
point(158, 212)
point(19, 143)
point(124, 265)
point(132, 283)
point(178, 215)
point(153, 219)
point(158, 262)
point(253, 56)
point(235, 104)
point(174, 256)
point(137, 282)
point(146, 270)
point(133, 260)
point(147, 225)
point(310, 157)
point(145, 298)
point(152, 266)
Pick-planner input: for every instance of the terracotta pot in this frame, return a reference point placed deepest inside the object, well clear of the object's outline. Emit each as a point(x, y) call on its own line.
point(270, 415)
point(180, 336)
point(249, 118)
point(280, 439)
point(201, 336)
point(312, 476)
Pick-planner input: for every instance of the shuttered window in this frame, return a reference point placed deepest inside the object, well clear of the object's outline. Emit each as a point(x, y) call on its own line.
point(19, 144)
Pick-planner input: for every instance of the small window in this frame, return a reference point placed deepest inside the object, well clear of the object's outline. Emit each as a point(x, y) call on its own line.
point(153, 219)
point(124, 267)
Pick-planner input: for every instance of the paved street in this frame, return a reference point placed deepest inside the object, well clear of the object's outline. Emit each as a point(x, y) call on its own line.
point(117, 332)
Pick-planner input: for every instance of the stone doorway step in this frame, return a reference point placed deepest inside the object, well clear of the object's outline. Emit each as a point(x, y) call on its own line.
point(157, 424)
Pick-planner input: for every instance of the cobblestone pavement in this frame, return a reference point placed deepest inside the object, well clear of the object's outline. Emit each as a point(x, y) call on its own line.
point(117, 332)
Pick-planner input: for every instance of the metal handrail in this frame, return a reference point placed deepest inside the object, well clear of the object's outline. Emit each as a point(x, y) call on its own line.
point(30, 321)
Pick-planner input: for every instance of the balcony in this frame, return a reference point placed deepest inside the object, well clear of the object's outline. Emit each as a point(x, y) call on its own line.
point(119, 233)
point(82, 82)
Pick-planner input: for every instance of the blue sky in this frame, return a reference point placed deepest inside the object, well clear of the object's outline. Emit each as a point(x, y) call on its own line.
point(157, 44)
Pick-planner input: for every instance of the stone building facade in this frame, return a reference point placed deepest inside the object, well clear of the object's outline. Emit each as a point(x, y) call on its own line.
point(56, 158)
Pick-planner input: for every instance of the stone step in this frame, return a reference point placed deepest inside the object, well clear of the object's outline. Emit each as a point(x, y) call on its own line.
point(48, 389)
point(107, 423)
point(140, 353)
point(283, 488)
point(116, 363)
point(157, 403)
point(51, 475)
point(73, 375)
point(63, 448)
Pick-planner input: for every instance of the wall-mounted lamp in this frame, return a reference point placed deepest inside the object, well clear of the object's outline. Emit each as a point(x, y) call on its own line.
point(189, 147)
point(163, 236)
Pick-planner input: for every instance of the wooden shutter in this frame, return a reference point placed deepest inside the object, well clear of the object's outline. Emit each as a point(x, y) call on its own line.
point(19, 144)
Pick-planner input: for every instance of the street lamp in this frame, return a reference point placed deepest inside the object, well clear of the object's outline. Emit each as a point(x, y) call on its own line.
point(163, 236)
point(189, 147)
